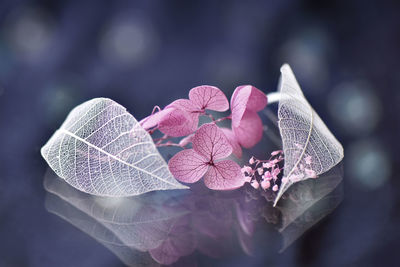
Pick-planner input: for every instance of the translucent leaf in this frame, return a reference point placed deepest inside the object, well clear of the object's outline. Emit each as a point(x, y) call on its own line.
point(304, 135)
point(101, 149)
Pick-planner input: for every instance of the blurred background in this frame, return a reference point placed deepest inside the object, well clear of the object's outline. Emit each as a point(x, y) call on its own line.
point(55, 55)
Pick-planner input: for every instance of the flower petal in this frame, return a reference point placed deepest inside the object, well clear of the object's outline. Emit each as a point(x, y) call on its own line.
point(184, 104)
point(154, 119)
point(210, 142)
point(237, 150)
point(246, 97)
point(249, 131)
point(224, 175)
point(188, 166)
point(208, 97)
point(178, 123)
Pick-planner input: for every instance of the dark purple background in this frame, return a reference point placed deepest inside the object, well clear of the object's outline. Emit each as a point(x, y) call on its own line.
point(56, 54)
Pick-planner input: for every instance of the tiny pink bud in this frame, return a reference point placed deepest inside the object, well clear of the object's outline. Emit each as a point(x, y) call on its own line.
point(255, 184)
point(310, 173)
point(265, 184)
point(274, 153)
point(268, 165)
point(275, 188)
point(296, 177)
point(308, 159)
point(247, 169)
point(251, 160)
point(260, 171)
point(267, 175)
point(275, 173)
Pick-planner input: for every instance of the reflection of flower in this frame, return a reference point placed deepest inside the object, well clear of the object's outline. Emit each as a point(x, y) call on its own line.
point(171, 225)
point(180, 242)
point(209, 146)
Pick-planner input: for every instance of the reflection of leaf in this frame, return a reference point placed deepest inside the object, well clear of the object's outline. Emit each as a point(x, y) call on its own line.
point(309, 201)
point(303, 134)
point(141, 223)
point(170, 225)
point(128, 255)
point(101, 149)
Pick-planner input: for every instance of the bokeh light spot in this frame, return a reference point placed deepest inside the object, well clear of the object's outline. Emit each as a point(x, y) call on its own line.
point(128, 41)
point(368, 163)
point(355, 107)
point(307, 53)
point(29, 32)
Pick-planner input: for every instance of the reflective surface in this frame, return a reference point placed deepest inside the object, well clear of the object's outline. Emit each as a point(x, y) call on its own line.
point(167, 227)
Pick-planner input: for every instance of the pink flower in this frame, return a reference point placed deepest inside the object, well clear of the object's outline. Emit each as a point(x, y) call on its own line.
point(268, 164)
point(247, 169)
point(265, 184)
point(181, 117)
point(308, 160)
point(310, 173)
point(237, 149)
point(246, 101)
point(275, 172)
point(276, 152)
point(255, 184)
point(267, 175)
point(209, 146)
point(251, 160)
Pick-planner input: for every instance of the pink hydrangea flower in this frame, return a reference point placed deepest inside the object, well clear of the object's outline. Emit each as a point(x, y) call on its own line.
point(181, 117)
point(247, 126)
point(210, 146)
point(237, 149)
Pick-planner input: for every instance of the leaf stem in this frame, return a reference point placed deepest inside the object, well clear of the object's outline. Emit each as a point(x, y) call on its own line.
point(273, 97)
